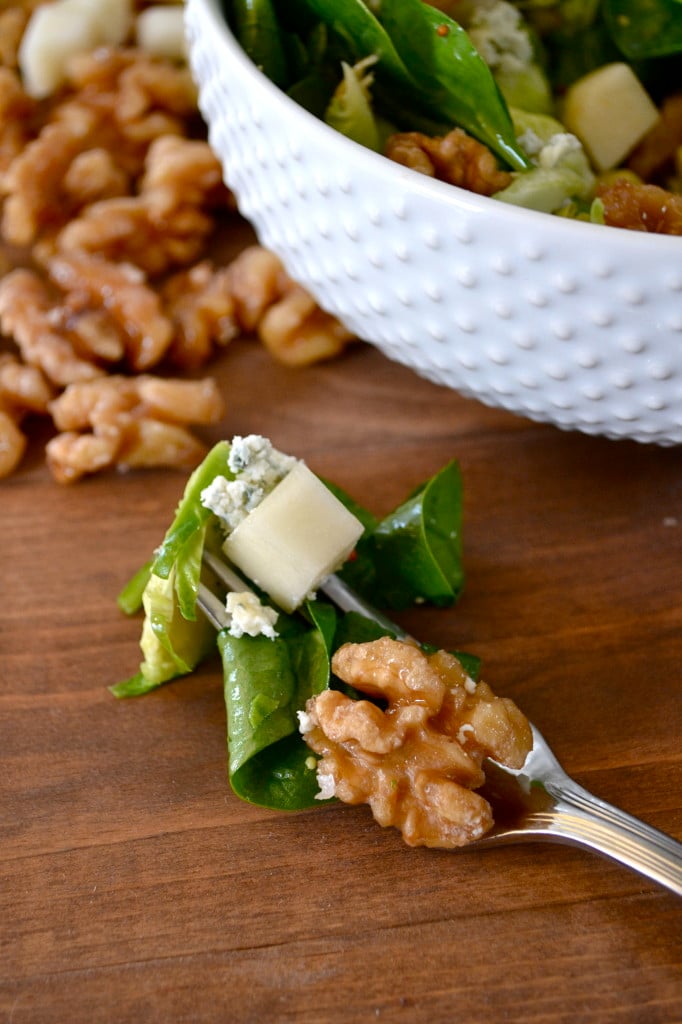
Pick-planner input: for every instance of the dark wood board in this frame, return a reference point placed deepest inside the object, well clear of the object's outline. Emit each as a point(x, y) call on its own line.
point(135, 887)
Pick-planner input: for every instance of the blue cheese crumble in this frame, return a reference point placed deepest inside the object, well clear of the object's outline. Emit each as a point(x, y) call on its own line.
point(249, 616)
point(498, 32)
point(258, 467)
point(560, 146)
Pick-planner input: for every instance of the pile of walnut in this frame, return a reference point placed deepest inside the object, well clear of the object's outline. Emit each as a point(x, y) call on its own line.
point(110, 200)
point(418, 762)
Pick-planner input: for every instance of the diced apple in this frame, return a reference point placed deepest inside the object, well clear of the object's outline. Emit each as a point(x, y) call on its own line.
point(113, 18)
point(299, 534)
point(54, 33)
point(610, 112)
point(58, 31)
point(160, 31)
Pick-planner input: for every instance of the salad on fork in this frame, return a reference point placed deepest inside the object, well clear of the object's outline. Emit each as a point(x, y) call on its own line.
point(328, 699)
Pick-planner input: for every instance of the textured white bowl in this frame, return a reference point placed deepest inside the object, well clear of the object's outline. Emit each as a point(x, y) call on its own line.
point(564, 322)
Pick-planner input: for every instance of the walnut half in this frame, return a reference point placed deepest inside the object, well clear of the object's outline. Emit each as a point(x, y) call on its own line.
point(418, 761)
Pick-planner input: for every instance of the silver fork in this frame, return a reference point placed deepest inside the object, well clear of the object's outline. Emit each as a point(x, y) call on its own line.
point(538, 802)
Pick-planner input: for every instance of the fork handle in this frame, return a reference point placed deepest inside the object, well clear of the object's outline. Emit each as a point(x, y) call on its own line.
point(577, 817)
point(582, 819)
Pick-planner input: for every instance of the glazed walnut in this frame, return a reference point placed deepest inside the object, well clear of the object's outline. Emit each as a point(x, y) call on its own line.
point(23, 390)
point(26, 316)
point(297, 332)
point(202, 308)
point(456, 158)
point(16, 112)
point(122, 290)
point(417, 760)
point(129, 422)
point(13, 21)
point(166, 224)
point(283, 314)
point(641, 207)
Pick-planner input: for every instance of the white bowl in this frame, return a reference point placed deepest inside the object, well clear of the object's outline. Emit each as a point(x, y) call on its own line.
point(561, 321)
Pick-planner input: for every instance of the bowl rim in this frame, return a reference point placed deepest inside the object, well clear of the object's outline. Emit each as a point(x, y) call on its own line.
point(634, 242)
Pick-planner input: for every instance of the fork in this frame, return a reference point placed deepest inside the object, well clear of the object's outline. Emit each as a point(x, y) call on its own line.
point(537, 803)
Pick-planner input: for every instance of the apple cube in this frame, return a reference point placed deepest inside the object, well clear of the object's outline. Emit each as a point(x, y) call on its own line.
point(296, 536)
point(610, 112)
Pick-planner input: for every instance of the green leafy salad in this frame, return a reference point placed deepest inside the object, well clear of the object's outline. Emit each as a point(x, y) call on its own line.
point(267, 510)
point(560, 91)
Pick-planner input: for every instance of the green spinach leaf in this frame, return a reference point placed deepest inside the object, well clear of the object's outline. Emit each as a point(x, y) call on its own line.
point(645, 28)
point(354, 22)
point(266, 683)
point(259, 33)
point(414, 554)
point(456, 84)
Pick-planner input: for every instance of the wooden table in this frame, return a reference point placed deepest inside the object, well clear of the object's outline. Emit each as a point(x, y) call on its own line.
point(136, 888)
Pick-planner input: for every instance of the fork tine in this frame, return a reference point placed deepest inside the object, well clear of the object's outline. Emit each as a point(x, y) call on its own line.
point(345, 598)
point(224, 573)
point(212, 608)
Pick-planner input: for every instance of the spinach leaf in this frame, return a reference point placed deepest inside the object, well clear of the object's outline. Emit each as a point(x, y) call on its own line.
point(574, 52)
point(259, 34)
point(282, 777)
point(414, 554)
point(354, 22)
point(266, 683)
point(428, 60)
point(354, 628)
point(455, 83)
point(313, 68)
point(645, 28)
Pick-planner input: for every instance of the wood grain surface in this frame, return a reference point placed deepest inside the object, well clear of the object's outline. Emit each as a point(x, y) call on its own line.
point(134, 887)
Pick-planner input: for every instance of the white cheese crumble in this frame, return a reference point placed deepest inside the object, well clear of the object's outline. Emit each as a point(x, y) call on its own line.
point(530, 142)
point(249, 616)
point(255, 460)
point(551, 153)
point(325, 781)
point(231, 500)
point(557, 148)
point(499, 34)
point(467, 727)
point(306, 722)
point(470, 685)
point(258, 468)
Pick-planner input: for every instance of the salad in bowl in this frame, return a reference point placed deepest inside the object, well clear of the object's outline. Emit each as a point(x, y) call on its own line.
point(478, 256)
point(563, 107)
